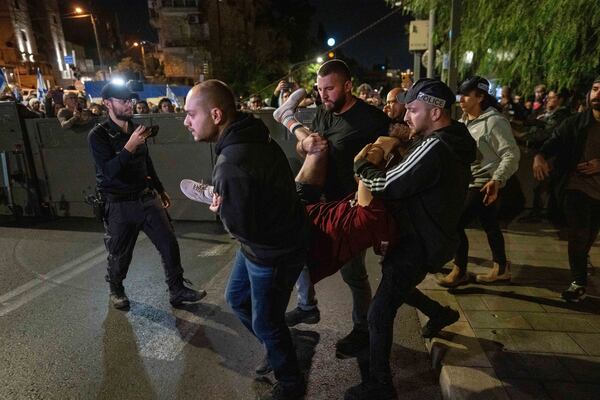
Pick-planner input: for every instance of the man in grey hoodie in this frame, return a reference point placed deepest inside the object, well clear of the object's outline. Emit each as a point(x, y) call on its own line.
point(497, 160)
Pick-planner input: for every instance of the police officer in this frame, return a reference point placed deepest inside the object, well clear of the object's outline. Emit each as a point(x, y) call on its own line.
point(126, 178)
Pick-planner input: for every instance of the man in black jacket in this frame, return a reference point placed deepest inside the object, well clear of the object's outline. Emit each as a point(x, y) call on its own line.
point(255, 196)
point(425, 192)
point(576, 146)
point(126, 178)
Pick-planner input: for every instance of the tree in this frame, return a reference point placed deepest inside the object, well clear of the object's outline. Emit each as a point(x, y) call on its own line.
point(523, 43)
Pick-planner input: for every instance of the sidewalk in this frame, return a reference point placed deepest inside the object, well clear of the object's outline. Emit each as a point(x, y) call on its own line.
point(520, 341)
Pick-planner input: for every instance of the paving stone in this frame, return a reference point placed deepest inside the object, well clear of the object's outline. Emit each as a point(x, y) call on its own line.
point(531, 341)
point(496, 319)
point(572, 391)
point(520, 389)
point(471, 302)
point(500, 303)
point(458, 346)
point(459, 383)
point(590, 342)
point(559, 322)
point(582, 368)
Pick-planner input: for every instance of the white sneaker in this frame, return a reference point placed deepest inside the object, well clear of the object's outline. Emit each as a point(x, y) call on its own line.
point(290, 105)
point(197, 191)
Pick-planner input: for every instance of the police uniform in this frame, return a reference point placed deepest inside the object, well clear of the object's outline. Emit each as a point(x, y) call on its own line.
point(129, 184)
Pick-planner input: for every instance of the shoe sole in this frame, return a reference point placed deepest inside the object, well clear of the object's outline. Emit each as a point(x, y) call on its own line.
point(453, 285)
point(573, 300)
point(124, 306)
point(187, 188)
point(179, 303)
point(263, 372)
point(292, 99)
point(307, 321)
point(495, 280)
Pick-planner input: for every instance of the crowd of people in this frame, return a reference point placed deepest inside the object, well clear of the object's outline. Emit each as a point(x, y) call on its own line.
point(402, 177)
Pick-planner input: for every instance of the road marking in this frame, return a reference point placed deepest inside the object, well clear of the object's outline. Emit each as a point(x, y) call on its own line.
point(215, 251)
point(25, 293)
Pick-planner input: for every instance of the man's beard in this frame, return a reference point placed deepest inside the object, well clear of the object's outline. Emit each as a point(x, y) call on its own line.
point(595, 105)
point(123, 117)
point(336, 106)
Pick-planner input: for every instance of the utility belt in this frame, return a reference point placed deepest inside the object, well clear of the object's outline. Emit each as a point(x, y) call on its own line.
point(144, 195)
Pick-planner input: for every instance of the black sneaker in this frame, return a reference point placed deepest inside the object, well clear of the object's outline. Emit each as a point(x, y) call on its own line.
point(351, 345)
point(435, 324)
point(279, 392)
point(298, 316)
point(118, 298)
point(371, 391)
point(590, 266)
point(264, 367)
point(574, 293)
point(179, 293)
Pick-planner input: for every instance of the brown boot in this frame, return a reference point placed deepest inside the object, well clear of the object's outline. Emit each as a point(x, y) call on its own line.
point(494, 275)
point(454, 278)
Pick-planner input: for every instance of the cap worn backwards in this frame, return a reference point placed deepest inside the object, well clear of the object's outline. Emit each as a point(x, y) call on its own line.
point(431, 91)
point(474, 83)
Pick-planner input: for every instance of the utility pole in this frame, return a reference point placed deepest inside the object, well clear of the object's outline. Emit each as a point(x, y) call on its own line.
point(97, 42)
point(430, 49)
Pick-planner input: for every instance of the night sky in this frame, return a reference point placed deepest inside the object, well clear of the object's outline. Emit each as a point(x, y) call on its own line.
point(340, 19)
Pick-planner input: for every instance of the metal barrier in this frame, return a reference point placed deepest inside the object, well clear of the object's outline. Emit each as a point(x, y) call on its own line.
point(66, 172)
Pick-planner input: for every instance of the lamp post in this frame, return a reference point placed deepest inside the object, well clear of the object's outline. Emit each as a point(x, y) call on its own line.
point(80, 14)
point(141, 46)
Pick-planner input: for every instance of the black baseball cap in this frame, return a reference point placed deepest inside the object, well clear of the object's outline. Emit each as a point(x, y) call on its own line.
point(431, 91)
point(474, 83)
point(112, 90)
point(401, 97)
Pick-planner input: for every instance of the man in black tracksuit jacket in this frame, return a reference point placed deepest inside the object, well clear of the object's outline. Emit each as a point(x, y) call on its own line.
point(425, 193)
point(255, 197)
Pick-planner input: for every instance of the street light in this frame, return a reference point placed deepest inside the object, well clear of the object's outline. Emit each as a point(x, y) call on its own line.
point(331, 42)
point(141, 46)
point(80, 14)
point(319, 59)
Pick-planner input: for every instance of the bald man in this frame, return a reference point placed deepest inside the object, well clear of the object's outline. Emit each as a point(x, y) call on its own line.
point(394, 105)
point(255, 197)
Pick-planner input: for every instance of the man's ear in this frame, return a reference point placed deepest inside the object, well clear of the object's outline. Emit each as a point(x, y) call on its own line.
point(217, 115)
point(348, 86)
point(436, 114)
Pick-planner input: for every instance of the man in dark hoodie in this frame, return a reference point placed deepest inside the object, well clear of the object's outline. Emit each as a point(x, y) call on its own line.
point(255, 196)
point(425, 192)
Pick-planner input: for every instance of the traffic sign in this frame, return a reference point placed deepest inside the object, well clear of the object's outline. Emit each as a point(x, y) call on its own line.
point(69, 60)
point(419, 35)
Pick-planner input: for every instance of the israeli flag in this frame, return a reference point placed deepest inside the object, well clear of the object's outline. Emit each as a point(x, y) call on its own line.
point(3, 80)
point(41, 86)
point(171, 96)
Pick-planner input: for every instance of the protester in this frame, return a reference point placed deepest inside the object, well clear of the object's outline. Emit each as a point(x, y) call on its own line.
point(165, 106)
point(270, 224)
point(343, 124)
point(72, 114)
point(141, 107)
point(575, 144)
point(498, 160)
point(426, 192)
point(34, 106)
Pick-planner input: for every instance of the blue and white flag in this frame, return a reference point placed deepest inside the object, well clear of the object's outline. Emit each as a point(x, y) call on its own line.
point(41, 86)
point(3, 80)
point(171, 96)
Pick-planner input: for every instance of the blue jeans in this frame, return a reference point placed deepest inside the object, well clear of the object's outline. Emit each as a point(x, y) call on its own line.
point(259, 296)
point(355, 275)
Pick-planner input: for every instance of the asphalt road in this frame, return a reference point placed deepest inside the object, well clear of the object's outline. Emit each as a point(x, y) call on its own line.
point(59, 339)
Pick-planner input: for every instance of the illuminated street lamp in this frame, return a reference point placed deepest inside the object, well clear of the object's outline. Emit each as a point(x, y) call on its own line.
point(319, 59)
point(141, 46)
point(331, 42)
point(80, 14)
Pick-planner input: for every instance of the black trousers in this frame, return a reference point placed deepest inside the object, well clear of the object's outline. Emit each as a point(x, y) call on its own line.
point(488, 216)
point(403, 268)
point(582, 214)
point(123, 222)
